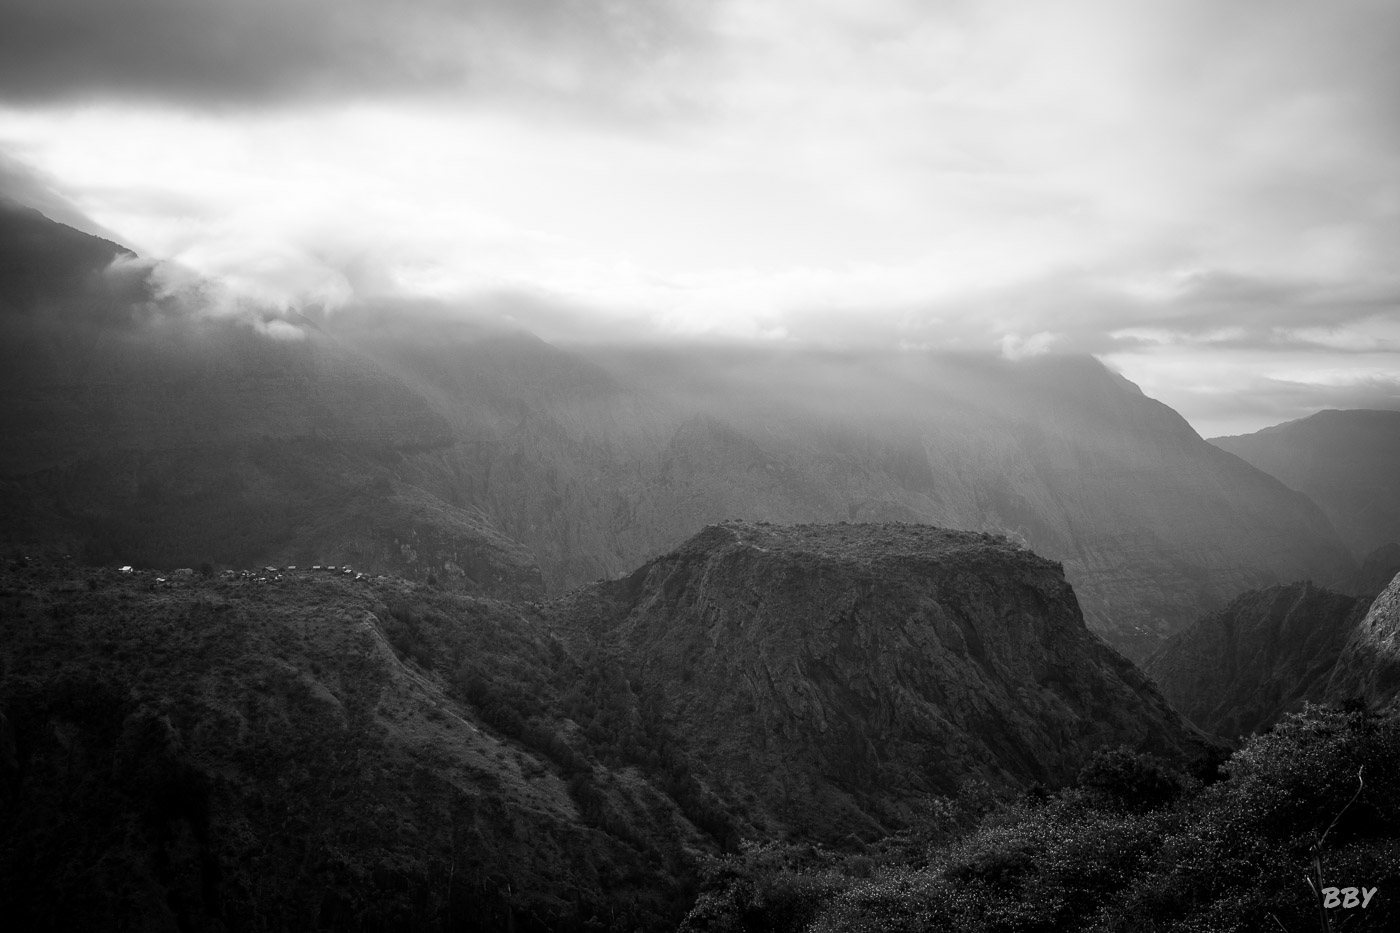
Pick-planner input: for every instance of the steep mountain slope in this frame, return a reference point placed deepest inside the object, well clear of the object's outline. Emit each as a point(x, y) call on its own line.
point(1348, 462)
point(142, 431)
point(1369, 666)
point(833, 672)
point(1241, 668)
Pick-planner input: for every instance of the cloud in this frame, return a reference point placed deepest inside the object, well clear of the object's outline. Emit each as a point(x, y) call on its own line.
point(1235, 387)
point(279, 329)
point(1254, 401)
point(254, 52)
point(1173, 185)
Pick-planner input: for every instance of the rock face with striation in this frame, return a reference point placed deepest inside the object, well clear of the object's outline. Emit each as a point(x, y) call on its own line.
point(1239, 669)
point(1369, 666)
point(831, 671)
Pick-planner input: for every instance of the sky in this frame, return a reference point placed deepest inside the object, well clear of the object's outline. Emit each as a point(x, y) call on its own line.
point(1204, 195)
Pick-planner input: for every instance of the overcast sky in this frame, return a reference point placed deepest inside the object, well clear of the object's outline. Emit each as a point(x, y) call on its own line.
point(1204, 194)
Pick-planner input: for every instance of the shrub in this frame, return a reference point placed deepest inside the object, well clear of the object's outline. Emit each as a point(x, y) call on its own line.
point(768, 887)
point(1134, 846)
point(1126, 780)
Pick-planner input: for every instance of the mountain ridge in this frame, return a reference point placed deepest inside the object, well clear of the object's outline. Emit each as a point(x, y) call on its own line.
point(1346, 461)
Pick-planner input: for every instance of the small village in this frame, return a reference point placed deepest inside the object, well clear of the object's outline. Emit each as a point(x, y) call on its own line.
point(261, 575)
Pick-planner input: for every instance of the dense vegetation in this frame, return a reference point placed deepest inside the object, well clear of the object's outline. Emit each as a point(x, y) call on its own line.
point(216, 754)
point(323, 753)
point(1131, 846)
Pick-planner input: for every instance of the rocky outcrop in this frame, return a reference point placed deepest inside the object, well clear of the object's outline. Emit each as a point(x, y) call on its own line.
point(1348, 462)
point(1369, 666)
point(834, 672)
point(1241, 668)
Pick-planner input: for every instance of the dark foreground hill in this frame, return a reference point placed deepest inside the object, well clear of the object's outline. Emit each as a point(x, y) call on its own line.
point(310, 752)
point(283, 749)
point(1348, 462)
point(144, 426)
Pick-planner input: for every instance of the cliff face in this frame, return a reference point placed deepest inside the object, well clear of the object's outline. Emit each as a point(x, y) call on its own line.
point(1369, 665)
point(1348, 462)
point(1239, 669)
point(834, 672)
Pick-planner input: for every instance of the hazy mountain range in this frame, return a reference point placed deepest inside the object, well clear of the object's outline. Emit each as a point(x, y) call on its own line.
point(145, 428)
point(1348, 462)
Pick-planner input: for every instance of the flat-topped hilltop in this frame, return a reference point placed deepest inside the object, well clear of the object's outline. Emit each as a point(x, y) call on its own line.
point(861, 542)
point(833, 671)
